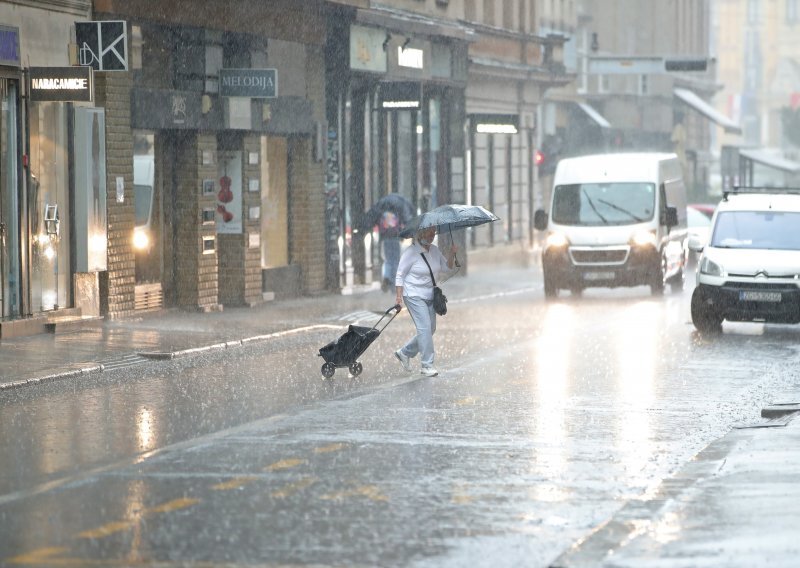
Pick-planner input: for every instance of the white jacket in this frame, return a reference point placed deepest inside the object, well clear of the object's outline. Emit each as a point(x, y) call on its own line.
point(413, 274)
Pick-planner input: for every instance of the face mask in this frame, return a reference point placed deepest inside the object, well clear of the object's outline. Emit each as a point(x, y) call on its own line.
point(425, 242)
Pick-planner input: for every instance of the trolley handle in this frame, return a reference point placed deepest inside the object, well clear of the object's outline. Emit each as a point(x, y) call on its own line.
point(396, 308)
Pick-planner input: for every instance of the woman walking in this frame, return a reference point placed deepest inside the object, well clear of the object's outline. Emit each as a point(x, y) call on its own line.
point(415, 289)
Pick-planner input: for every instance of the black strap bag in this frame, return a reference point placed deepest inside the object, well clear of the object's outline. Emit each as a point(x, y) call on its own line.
point(439, 299)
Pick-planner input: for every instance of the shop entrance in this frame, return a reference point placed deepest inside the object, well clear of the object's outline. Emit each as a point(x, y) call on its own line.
point(148, 227)
point(9, 201)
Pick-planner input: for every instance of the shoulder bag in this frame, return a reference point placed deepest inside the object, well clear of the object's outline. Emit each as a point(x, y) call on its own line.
point(439, 299)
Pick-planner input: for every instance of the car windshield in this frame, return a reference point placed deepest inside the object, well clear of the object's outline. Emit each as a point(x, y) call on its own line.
point(598, 204)
point(757, 230)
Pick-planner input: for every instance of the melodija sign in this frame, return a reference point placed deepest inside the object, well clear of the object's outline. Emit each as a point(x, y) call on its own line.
point(254, 83)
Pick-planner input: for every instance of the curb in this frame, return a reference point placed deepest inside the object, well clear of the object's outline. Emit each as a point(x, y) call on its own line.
point(91, 368)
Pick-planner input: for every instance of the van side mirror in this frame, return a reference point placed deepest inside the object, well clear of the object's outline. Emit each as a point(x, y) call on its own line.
point(540, 220)
point(670, 217)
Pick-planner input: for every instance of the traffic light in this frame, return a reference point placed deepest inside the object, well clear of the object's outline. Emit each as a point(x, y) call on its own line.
point(538, 158)
point(546, 158)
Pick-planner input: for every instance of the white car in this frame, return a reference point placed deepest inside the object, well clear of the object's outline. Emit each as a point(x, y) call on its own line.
point(750, 268)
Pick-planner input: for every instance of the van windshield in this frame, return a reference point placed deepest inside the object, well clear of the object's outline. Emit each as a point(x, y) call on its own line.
point(599, 204)
point(757, 230)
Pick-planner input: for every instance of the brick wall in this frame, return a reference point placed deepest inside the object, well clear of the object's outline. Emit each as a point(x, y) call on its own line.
point(195, 272)
point(112, 91)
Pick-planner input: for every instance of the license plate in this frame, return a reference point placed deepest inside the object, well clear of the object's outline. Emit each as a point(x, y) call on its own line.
point(598, 275)
point(750, 296)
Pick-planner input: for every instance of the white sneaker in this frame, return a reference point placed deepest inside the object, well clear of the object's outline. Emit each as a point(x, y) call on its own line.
point(428, 371)
point(403, 360)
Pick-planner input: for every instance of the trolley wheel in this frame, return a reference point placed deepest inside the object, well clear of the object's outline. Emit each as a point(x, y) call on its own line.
point(328, 369)
point(356, 368)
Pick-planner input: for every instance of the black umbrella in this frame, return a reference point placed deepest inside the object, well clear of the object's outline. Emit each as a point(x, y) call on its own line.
point(452, 216)
point(449, 217)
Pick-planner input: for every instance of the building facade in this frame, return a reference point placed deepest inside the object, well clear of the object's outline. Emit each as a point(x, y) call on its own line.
point(632, 69)
point(516, 57)
point(52, 233)
point(395, 112)
point(213, 138)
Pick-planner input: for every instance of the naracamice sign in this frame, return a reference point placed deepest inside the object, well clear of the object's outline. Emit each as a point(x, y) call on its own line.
point(255, 83)
point(61, 84)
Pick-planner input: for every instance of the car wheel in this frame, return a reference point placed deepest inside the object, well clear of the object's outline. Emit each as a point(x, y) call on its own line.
point(657, 280)
point(704, 316)
point(550, 289)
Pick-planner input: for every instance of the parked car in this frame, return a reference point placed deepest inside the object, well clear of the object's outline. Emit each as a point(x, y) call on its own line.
point(750, 268)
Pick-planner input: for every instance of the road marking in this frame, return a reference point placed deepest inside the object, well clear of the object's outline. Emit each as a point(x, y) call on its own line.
point(292, 488)
point(108, 529)
point(174, 505)
point(369, 491)
point(38, 556)
point(234, 483)
point(285, 464)
point(330, 448)
point(119, 526)
point(468, 401)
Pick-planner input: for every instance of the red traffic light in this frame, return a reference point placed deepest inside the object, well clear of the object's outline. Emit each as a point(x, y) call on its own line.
point(538, 158)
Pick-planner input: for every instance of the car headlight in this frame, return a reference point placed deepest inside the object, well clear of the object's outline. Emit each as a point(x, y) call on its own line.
point(711, 268)
point(140, 240)
point(644, 238)
point(557, 240)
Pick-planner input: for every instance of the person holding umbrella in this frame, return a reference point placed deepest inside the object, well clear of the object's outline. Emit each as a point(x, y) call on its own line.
point(421, 264)
point(390, 213)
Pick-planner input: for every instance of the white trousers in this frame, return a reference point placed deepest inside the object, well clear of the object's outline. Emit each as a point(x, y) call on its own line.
point(425, 321)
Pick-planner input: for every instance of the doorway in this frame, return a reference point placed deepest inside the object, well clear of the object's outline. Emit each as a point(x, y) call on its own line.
point(10, 296)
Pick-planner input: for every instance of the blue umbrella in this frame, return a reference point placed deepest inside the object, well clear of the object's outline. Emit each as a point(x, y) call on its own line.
point(449, 217)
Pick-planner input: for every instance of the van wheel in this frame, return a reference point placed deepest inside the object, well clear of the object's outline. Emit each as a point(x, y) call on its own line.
point(657, 280)
point(550, 290)
point(704, 317)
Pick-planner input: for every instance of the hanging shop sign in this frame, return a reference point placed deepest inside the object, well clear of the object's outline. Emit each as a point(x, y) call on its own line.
point(253, 83)
point(368, 48)
point(61, 84)
point(495, 123)
point(9, 46)
point(103, 45)
point(401, 96)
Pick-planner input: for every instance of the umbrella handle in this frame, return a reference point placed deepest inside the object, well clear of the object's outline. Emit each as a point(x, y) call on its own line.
point(455, 256)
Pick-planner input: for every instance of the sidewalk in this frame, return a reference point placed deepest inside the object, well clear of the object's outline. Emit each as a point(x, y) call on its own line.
point(174, 333)
point(734, 505)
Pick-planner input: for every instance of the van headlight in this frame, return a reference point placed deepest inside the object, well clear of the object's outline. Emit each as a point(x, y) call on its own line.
point(711, 268)
point(557, 240)
point(644, 238)
point(140, 240)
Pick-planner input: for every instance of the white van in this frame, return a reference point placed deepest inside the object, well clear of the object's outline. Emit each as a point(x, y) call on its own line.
point(615, 220)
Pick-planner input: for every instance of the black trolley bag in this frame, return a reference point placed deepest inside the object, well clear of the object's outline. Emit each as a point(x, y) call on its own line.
point(345, 351)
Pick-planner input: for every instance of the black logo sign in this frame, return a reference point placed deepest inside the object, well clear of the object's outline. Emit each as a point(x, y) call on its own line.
point(103, 45)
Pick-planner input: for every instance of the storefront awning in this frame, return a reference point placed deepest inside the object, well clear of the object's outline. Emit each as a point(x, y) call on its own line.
point(598, 118)
point(768, 159)
point(701, 106)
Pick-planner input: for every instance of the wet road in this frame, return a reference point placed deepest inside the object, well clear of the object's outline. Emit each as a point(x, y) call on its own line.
point(545, 419)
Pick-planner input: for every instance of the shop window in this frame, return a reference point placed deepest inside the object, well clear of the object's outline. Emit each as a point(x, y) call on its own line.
point(274, 202)
point(49, 204)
